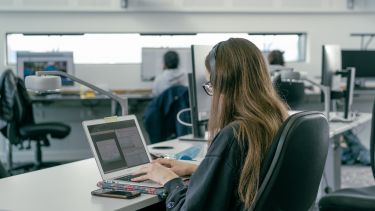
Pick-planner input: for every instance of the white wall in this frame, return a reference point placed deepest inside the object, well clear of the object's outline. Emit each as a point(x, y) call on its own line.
point(321, 28)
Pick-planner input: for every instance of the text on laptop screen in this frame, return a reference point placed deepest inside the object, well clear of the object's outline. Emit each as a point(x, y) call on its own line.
point(118, 145)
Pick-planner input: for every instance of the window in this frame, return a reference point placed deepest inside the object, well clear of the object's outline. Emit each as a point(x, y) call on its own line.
point(292, 44)
point(114, 48)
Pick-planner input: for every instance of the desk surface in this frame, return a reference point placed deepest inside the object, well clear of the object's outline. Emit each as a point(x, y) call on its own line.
point(68, 97)
point(68, 187)
point(340, 127)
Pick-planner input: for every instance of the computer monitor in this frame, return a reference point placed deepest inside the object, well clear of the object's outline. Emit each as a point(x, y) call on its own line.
point(331, 63)
point(331, 76)
point(153, 61)
point(30, 62)
point(200, 102)
point(363, 61)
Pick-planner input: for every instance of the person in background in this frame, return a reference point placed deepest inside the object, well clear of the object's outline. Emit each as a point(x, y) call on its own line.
point(170, 76)
point(246, 113)
point(276, 57)
point(276, 62)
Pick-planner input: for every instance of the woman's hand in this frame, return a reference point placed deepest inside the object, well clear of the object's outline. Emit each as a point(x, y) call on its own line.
point(179, 167)
point(164, 170)
point(154, 172)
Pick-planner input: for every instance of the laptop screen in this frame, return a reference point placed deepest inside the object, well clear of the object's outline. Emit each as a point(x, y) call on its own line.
point(118, 145)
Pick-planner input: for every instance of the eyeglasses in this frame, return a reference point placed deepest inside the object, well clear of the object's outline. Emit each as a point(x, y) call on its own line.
point(208, 88)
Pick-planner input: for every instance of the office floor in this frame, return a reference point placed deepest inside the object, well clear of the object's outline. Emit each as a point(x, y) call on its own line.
point(356, 176)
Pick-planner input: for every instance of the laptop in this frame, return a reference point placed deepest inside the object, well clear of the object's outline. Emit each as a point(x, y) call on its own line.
point(119, 148)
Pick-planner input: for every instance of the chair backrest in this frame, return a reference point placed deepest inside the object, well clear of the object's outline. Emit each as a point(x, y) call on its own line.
point(160, 116)
point(8, 90)
point(16, 107)
point(3, 171)
point(292, 170)
point(291, 90)
point(372, 141)
point(24, 108)
point(290, 75)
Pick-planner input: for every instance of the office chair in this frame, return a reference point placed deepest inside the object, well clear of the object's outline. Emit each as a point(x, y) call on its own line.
point(358, 199)
point(3, 171)
point(291, 172)
point(290, 88)
point(17, 112)
point(160, 117)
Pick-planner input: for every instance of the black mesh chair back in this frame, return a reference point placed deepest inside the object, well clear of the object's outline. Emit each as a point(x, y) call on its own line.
point(7, 92)
point(291, 91)
point(3, 171)
point(291, 172)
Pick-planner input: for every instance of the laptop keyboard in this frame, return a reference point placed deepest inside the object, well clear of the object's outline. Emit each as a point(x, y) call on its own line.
point(129, 177)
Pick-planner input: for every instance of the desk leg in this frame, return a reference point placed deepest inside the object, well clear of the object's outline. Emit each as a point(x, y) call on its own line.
point(332, 170)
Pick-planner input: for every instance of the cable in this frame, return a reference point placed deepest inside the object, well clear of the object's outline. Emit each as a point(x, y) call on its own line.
point(182, 122)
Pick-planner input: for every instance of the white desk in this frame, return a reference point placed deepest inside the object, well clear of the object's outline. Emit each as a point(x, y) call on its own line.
point(68, 187)
point(336, 128)
point(333, 163)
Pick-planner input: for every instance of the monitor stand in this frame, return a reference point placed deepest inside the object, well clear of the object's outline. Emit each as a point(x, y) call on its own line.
point(190, 137)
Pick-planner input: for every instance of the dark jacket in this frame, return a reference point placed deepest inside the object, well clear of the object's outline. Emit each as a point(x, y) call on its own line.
point(160, 115)
point(214, 184)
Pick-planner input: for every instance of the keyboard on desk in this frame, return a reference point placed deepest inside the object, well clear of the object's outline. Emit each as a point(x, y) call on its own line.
point(146, 183)
point(129, 177)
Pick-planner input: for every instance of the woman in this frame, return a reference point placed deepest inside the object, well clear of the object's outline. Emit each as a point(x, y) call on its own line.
point(246, 113)
point(276, 57)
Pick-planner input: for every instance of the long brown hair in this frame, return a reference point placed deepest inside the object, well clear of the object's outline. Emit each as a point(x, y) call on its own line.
point(243, 92)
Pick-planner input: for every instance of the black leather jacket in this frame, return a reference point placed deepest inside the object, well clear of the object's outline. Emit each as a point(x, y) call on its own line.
point(214, 184)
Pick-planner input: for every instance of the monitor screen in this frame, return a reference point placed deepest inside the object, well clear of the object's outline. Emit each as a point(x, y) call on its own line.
point(363, 61)
point(331, 62)
point(153, 61)
point(29, 62)
point(118, 145)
